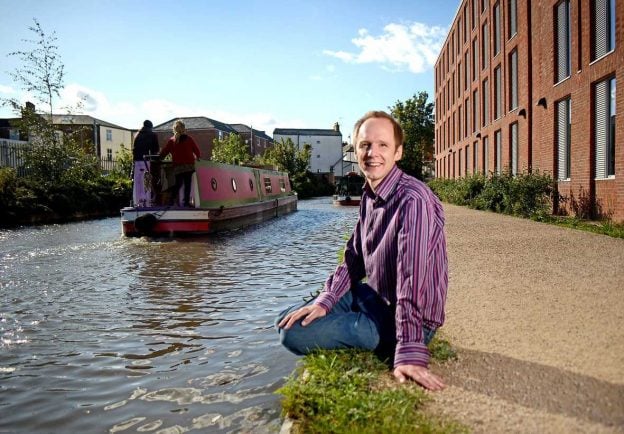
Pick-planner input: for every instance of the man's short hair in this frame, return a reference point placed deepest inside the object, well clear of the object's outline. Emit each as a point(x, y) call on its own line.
point(398, 131)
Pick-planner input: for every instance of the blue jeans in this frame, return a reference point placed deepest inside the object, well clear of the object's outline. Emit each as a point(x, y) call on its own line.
point(360, 319)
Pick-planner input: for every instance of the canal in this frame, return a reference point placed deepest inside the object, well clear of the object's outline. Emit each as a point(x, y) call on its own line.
point(100, 333)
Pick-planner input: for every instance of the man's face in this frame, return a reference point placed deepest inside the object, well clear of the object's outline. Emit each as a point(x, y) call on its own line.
point(376, 149)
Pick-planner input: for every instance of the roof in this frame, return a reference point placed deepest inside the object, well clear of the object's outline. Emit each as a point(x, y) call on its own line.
point(196, 123)
point(242, 128)
point(68, 119)
point(305, 132)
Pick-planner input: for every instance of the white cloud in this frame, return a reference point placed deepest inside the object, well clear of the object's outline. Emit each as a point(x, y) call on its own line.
point(132, 114)
point(6, 89)
point(78, 99)
point(413, 46)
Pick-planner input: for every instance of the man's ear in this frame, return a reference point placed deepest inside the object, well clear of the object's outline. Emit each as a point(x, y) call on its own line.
point(398, 154)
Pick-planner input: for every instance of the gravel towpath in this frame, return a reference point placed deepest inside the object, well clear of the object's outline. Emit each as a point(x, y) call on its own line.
point(536, 313)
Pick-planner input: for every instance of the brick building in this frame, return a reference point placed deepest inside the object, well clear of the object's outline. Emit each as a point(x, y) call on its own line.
point(203, 130)
point(527, 85)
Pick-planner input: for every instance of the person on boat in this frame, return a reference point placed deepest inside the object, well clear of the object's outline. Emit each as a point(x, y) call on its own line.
point(399, 247)
point(145, 142)
point(184, 151)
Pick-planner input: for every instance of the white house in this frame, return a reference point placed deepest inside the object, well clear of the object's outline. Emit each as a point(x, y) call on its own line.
point(326, 145)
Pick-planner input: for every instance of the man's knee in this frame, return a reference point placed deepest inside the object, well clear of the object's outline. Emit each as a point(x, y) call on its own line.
point(292, 342)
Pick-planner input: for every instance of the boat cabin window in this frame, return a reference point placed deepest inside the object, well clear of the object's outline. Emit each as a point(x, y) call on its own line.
point(282, 185)
point(267, 185)
point(233, 184)
point(213, 184)
point(251, 184)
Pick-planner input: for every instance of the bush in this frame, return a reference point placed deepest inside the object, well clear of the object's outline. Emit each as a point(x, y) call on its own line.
point(525, 194)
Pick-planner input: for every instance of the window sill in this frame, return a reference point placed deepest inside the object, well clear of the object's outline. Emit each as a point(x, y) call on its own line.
point(601, 57)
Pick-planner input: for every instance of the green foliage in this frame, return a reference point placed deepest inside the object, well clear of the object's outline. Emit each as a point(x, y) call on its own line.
point(416, 118)
point(287, 157)
point(524, 195)
point(231, 150)
point(123, 167)
point(348, 391)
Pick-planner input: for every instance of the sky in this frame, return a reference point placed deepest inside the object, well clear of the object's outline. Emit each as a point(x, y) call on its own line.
point(268, 64)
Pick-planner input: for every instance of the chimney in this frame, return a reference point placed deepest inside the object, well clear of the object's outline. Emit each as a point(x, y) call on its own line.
point(336, 126)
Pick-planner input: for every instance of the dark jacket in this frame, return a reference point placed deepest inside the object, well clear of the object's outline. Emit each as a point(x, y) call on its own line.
point(145, 143)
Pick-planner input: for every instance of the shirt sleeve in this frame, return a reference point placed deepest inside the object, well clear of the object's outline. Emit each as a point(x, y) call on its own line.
point(349, 272)
point(412, 289)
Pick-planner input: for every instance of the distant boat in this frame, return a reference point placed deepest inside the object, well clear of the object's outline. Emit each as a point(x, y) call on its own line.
point(349, 190)
point(223, 197)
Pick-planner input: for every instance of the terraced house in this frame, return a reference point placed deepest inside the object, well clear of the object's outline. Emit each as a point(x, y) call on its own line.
point(532, 85)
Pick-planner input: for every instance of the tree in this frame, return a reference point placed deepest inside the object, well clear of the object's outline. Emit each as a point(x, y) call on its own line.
point(416, 118)
point(230, 150)
point(285, 155)
point(42, 72)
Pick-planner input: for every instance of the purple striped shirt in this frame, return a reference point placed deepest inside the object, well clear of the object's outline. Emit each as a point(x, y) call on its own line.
point(399, 245)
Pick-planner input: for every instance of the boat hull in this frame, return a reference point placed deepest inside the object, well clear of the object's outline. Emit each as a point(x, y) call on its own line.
point(346, 200)
point(222, 197)
point(170, 221)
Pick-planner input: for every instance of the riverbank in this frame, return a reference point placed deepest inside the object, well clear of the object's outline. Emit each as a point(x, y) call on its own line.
point(535, 312)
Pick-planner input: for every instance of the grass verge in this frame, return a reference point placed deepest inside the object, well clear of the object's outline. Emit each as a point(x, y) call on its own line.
point(352, 391)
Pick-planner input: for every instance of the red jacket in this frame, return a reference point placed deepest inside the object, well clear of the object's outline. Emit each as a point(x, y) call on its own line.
point(183, 152)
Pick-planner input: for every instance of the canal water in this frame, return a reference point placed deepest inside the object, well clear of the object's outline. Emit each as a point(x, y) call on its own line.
point(100, 333)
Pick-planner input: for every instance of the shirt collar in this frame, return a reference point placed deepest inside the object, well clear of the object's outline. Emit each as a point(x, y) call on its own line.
point(387, 185)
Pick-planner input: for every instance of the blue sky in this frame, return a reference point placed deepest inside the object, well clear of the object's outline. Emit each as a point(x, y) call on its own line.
point(271, 64)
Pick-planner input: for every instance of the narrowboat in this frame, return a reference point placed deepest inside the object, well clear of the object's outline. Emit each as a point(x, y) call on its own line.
point(349, 190)
point(223, 197)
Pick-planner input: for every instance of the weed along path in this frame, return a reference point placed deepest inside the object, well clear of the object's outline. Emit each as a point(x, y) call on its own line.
point(536, 313)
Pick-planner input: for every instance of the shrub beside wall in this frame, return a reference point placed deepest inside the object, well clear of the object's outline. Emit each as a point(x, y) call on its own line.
point(526, 194)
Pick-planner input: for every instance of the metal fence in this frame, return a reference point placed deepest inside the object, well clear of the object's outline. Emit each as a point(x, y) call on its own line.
point(13, 154)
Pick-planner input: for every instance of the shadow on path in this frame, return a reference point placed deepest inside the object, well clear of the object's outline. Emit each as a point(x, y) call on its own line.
point(537, 386)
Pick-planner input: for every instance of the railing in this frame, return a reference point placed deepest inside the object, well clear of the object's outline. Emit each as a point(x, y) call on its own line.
point(13, 154)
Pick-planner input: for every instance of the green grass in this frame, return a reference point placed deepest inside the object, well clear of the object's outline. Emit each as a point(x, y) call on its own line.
point(603, 227)
point(352, 391)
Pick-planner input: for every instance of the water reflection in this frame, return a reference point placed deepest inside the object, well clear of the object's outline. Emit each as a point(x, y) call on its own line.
point(102, 333)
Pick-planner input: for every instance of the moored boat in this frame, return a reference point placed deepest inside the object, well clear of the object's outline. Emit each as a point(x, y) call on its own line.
point(349, 190)
point(223, 197)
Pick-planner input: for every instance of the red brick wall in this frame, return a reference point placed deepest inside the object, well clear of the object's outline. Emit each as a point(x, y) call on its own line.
point(535, 44)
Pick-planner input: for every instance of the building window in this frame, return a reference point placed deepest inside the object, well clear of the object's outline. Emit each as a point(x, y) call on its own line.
point(282, 185)
point(109, 135)
point(109, 154)
point(466, 117)
point(486, 161)
point(603, 28)
point(513, 18)
point(466, 70)
point(562, 40)
point(466, 153)
point(486, 102)
point(604, 116)
point(475, 59)
point(475, 13)
point(513, 80)
point(513, 133)
point(484, 4)
point(498, 107)
point(459, 165)
point(564, 128)
point(475, 157)
point(485, 47)
point(498, 147)
point(497, 29)
point(220, 134)
point(475, 110)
